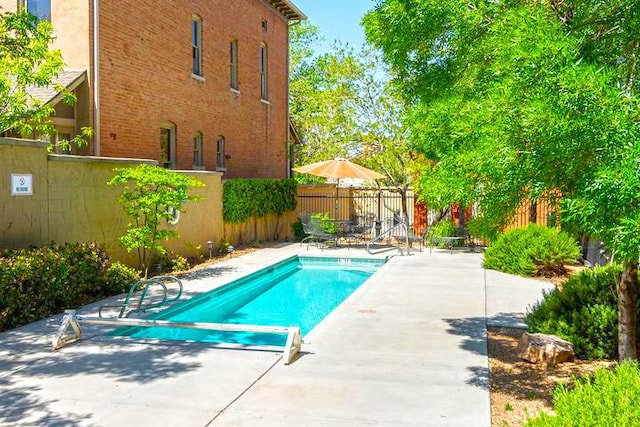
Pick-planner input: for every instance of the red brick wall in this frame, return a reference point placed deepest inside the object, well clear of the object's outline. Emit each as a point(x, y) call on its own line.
point(145, 67)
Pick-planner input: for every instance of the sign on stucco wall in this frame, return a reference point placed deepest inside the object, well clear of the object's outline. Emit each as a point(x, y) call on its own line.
point(21, 184)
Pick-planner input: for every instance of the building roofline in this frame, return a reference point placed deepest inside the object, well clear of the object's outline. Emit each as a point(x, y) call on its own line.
point(288, 10)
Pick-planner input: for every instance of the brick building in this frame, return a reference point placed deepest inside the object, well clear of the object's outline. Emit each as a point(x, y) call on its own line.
point(194, 84)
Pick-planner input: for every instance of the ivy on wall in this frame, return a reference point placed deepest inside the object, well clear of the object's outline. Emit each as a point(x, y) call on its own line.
point(246, 198)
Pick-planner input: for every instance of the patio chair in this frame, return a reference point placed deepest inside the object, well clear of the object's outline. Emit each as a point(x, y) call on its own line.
point(360, 229)
point(314, 228)
point(305, 219)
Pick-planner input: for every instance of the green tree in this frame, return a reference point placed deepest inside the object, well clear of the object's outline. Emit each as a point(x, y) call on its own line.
point(322, 92)
point(152, 197)
point(383, 134)
point(513, 100)
point(27, 62)
point(343, 105)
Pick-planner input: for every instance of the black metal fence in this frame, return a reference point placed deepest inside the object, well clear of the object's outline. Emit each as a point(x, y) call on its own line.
point(364, 205)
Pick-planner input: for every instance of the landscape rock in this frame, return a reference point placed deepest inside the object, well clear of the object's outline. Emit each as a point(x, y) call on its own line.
point(542, 348)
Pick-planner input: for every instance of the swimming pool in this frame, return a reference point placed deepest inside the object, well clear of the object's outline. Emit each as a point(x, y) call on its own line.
point(299, 291)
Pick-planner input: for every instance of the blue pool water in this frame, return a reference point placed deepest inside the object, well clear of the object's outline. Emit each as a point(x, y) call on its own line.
point(300, 291)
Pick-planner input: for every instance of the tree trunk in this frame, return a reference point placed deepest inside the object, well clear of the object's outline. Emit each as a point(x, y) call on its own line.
point(533, 212)
point(627, 300)
point(405, 211)
point(461, 217)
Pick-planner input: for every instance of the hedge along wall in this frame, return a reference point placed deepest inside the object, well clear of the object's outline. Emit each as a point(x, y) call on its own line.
point(259, 209)
point(72, 203)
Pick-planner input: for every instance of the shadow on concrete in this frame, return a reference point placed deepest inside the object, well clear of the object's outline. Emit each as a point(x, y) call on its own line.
point(18, 405)
point(474, 333)
point(480, 377)
point(507, 320)
point(121, 359)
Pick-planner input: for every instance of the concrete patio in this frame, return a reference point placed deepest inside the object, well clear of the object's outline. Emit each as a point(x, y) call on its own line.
point(408, 348)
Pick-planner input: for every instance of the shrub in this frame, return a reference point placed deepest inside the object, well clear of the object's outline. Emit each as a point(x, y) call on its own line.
point(246, 198)
point(298, 231)
point(482, 228)
point(328, 225)
point(532, 251)
point(584, 311)
point(170, 262)
point(119, 278)
point(222, 247)
point(610, 398)
point(37, 283)
point(444, 228)
point(153, 197)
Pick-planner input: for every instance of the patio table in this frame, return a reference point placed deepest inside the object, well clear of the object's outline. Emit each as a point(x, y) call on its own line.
point(449, 241)
point(348, 229)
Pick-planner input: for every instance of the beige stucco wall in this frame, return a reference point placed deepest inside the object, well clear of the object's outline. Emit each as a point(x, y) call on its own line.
point(72, 203)
point(201, 220)
point(70, 19)
point(23, 219)
point(81, 206)
point(8, 5)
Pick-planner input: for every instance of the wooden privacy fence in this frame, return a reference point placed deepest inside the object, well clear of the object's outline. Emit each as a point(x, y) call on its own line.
point(270, 227)
point(543, 212)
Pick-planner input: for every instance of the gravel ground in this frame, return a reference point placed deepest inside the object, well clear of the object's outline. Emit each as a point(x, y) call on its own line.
point(519, 389)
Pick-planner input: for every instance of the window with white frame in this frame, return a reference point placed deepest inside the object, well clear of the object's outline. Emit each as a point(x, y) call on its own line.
point(233, 64)
point(264, 72)
point(197, 150)
point(196, 45)
point(41, 9)
point(220, 156)
point(168, 145)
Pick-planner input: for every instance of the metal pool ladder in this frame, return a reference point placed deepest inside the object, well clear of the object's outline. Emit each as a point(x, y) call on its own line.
point(140, 291)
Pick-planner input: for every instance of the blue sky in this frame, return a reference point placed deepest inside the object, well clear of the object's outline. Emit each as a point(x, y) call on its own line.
point(337, 19)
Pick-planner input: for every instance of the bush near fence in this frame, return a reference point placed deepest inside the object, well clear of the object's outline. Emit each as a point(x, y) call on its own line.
point(258, 209)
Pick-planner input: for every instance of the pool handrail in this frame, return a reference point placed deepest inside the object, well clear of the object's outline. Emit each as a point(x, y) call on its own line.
point(387, 234)
point(72, 319)
point(143, 286)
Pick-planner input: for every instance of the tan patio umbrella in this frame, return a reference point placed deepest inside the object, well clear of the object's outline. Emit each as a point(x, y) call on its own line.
point(339, 168)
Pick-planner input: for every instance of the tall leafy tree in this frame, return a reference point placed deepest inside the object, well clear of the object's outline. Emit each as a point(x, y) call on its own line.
point(516, 99)
point(27, 62)
point(343, 105)
point(322, 90)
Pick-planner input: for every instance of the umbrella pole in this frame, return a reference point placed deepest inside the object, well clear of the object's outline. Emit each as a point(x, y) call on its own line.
point(336, 208)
